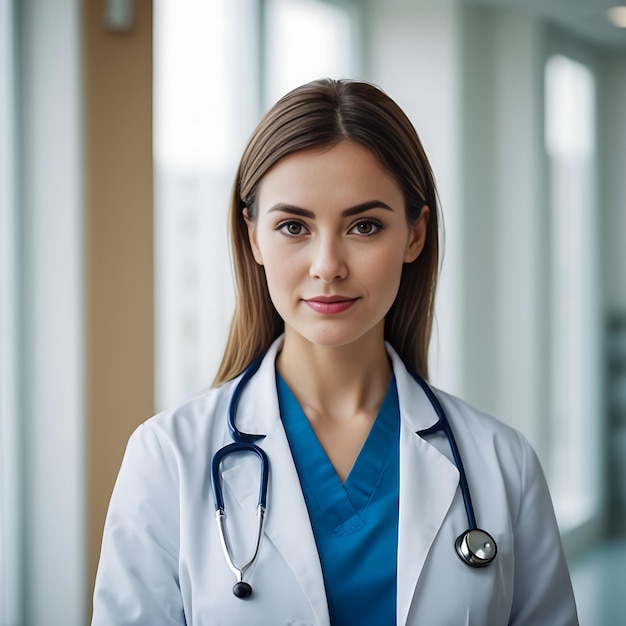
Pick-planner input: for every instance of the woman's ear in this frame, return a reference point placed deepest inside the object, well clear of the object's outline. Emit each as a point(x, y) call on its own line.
point(417, 236)
point(256, 252)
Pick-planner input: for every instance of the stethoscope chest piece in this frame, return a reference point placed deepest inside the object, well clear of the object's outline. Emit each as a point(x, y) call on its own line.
point(242, 590)
point(476, 547)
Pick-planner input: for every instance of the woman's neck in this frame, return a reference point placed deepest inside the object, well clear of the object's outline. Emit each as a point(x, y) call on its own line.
point(340, 390)
point(338, 382)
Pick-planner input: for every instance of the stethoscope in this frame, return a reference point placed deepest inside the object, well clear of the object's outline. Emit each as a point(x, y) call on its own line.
point(475, 547)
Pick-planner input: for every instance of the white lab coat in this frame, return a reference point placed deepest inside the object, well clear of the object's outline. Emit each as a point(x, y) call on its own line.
point(162, 563)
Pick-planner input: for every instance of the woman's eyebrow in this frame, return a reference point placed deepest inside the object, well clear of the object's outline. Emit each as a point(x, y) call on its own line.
point(354, 210)
point(366, 206)
point(293, 210)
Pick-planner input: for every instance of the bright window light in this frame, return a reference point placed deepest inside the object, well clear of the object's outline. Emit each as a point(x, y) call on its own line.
point(205, 104)
point(575, 324)
point(306, 40)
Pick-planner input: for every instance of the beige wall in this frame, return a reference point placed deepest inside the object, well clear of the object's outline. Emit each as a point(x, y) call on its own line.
point(118, 247)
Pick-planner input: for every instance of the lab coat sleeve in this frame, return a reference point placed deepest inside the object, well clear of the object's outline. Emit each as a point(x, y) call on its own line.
point(543, 593)
point(137, 580)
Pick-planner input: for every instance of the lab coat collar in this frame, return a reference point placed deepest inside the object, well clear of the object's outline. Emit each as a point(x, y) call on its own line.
point(256, 417)
point(428, 484)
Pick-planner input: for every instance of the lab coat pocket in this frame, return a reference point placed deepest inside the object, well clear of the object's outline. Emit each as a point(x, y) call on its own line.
point(489, 589)
point(499, 591)
point(452, 593)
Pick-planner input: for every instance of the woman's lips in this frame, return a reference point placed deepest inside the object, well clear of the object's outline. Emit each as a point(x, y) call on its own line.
point(330, 304)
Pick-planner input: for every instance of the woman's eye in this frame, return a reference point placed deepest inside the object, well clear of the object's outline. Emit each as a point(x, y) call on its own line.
point(366, 227)
point(291, 229)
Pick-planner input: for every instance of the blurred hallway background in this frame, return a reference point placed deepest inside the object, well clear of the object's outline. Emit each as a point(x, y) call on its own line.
point(121, 123)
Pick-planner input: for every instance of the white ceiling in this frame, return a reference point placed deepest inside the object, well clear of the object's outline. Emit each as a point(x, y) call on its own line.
point(586, 18)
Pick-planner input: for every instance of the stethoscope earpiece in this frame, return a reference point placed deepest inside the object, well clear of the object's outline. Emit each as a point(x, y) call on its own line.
point(476, 547)
point(242, 590)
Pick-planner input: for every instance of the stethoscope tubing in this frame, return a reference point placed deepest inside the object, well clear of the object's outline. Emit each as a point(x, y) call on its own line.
point(241, 589)
point(442, 425)
point(475, 547)
point(233, 405)
point(231, 448)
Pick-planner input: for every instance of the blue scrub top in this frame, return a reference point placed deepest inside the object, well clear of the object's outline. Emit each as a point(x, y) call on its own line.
point(355, 523)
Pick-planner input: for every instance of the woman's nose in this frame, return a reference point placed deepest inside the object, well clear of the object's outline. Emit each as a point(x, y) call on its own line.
point(328, 262)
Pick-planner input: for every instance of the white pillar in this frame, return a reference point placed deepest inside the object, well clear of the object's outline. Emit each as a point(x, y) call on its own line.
point(50, 104)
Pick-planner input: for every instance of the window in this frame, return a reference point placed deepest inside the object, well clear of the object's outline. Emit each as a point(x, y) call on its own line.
point(205, 101)
point(321, 33)
point(570, 145)
point(211, 69)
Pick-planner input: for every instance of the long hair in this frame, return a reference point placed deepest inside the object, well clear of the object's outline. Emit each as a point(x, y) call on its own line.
point(323, 113)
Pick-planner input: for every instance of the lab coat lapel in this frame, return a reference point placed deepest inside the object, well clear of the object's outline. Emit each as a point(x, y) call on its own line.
point(428, 483)
point(287, 523)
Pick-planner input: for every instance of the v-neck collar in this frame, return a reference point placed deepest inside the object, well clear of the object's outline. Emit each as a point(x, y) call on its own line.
point(341, 503)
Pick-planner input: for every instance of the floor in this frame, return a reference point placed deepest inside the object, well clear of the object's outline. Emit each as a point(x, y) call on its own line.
point(599, 580)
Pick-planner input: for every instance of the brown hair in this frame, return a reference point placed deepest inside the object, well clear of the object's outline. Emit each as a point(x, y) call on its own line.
point(323, 113)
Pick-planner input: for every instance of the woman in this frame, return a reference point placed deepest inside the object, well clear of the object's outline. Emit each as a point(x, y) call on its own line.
point(335, 241)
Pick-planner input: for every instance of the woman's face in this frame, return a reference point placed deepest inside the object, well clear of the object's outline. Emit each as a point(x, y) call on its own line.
point(332, 235)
